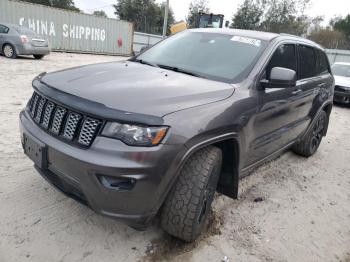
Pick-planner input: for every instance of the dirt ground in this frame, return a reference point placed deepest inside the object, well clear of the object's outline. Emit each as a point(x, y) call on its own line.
point(304, 214)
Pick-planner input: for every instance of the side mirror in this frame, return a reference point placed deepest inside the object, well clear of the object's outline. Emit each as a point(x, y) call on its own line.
point(281, 77)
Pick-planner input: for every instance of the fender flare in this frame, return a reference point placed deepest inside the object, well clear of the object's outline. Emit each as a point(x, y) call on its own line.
point(324, 105)
point(232, 189)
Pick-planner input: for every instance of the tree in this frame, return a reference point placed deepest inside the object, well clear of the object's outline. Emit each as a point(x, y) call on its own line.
point(342, 25)
point(329, 38)
point(248, 15)
point(100, 13)
point(147, 15)
point(286, 16)
point(279, 16)
point(64, 4)
point(196, 7)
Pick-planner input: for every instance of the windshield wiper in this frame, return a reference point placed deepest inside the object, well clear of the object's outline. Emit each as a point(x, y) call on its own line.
point(180, 70)
point(146, 62)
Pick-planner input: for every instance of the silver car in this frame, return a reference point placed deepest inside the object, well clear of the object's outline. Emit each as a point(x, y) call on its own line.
point(18, 40)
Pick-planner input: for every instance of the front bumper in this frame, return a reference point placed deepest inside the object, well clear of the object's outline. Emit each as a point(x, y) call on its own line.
point(77, 172)
point(342, 97)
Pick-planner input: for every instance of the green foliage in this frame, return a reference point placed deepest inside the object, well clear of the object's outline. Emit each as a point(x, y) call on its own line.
point(279, 16)
point(196, 7)
point(329, 38)
point(64, 4)
point(342, 25)
point(100, 13)
point(248, 15)
point(147, 15)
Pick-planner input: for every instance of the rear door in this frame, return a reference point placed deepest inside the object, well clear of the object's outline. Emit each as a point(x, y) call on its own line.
point(313, 79)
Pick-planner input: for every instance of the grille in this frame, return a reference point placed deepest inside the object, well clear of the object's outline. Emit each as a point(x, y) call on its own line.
point(88, 131)
point(71, 126)
point(62, 122)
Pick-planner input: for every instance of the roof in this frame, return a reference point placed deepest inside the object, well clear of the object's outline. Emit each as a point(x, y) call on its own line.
point(266, 36)
point(10, 25)
point(247, 33)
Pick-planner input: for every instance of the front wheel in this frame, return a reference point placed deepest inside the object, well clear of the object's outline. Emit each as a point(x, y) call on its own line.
point(309, 145)
point(9, 51)
point(187, 206)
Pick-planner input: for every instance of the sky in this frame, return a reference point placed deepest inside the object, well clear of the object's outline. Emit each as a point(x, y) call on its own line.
point(326, 8)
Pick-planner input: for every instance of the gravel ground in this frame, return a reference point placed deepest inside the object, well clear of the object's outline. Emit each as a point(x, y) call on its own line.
point(304, 214)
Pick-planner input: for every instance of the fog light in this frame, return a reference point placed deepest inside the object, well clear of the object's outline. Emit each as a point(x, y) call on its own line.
point(117, 183)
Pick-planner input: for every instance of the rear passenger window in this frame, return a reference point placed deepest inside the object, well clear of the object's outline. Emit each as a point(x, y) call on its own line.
point(284, 56)
point(307, 62)
point(322, 63)
point(4, 29)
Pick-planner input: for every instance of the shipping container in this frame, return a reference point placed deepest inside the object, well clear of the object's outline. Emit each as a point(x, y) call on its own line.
point(71, 31)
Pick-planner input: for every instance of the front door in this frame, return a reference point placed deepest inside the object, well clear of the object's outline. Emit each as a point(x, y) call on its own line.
point(278, 113)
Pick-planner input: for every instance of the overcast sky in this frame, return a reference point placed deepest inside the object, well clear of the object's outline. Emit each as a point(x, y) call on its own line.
point(326, 8)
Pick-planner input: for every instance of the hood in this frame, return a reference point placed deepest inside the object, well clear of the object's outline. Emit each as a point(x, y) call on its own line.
point(342, 81)
point(137, 88)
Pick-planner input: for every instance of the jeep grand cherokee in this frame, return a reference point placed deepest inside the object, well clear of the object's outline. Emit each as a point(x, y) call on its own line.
point(161, 132)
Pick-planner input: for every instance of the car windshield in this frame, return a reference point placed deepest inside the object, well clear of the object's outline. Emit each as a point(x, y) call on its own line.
point(341, 70)
point(215, 56)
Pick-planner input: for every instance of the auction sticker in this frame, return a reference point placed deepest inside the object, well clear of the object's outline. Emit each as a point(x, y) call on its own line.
point(246, 40)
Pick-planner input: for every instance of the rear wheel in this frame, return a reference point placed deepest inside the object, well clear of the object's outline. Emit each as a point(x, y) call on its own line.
point(187, 206)
point(38, 56)
point(309, 145)
point(9, 51)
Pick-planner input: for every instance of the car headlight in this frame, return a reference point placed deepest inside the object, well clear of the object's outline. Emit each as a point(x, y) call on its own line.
point(134, 135)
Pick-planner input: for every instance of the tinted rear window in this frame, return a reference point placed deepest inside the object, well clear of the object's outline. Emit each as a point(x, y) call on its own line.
point(322, 63)
point(307, 62)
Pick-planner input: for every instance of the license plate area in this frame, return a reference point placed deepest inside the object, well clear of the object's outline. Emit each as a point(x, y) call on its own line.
point(36, 151)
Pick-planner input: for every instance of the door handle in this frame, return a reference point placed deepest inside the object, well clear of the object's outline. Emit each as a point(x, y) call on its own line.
point(321, 85)
point(296, 92)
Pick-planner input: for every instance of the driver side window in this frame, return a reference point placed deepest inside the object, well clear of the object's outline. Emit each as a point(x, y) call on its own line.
point(284, 56)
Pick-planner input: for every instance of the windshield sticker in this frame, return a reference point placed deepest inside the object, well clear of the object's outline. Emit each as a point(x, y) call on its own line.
point(246, 40)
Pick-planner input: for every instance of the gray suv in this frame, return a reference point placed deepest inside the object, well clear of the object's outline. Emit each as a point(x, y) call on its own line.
point(161, 132)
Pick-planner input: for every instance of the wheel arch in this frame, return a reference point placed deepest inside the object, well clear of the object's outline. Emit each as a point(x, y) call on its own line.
point(229, 176)
point(328, 109)
point(8, 43)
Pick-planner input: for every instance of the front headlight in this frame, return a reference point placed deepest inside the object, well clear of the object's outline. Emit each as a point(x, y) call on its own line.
point(135, 135)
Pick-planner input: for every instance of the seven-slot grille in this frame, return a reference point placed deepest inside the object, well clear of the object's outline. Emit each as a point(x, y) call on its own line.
point(60, 121)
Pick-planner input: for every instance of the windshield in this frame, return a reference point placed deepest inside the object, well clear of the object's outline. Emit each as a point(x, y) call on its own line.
point(215, 56)
point(341, 70)
point(215, 21)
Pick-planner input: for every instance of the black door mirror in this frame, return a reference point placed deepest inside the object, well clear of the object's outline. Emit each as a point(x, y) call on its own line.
point(281, 77)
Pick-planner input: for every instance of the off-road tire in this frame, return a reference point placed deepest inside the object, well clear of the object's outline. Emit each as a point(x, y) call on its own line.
point(186, 208)
point(38, 56)
point(9, 51)
point(312, 140)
